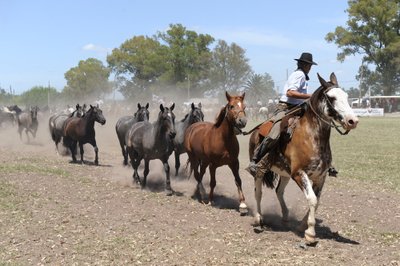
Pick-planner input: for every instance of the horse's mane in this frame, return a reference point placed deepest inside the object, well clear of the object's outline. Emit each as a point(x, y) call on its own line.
point(220, 117)
point(185, 118)
point(317, 95)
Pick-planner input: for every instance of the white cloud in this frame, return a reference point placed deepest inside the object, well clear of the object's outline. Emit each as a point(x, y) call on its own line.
point(95, 48)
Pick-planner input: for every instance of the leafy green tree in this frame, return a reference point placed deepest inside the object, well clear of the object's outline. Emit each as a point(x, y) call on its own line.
point(260, 87)
point(138, 63)
point(229, 68)
point(39, 96)
point(353, 92)
point(189, 57)
point(373, 29)
point(88, 79)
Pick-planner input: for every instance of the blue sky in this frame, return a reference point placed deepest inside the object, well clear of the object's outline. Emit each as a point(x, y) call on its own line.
point(41, 40)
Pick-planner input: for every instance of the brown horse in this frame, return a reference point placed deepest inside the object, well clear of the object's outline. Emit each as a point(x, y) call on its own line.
point(215, 144)
point(306, 156)
point(81, 129)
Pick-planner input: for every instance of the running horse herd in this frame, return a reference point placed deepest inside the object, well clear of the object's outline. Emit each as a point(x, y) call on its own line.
point(303, 154)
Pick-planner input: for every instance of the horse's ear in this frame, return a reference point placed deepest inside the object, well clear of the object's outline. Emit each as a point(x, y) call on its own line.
point(228, 97)
point(91, 106)
point(334, 79)
point(147, 106)
point(199, 105)
point(139, 106)
point(322, 81)
point(244, 93)
point(77, 106)
point(172, 106)
point(161, 107)
point(192, 106)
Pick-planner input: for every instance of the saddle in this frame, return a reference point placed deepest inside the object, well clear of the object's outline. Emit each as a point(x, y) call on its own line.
point(288, 120)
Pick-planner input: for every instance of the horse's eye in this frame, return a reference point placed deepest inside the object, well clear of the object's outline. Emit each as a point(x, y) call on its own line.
point(231, 107)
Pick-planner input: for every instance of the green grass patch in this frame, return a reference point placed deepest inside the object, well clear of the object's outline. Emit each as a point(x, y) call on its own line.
point(371, 152)
point(9, 200)
point(23, 167)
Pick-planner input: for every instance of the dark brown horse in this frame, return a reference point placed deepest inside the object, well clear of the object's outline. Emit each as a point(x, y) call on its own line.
point(57, 121)
point(306, 156)
point(28, 120)
point(126, 122)
point(215, 144)
point(149, 141)
point(81, 130)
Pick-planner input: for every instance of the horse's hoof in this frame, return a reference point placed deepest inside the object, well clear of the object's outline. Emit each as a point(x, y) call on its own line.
point(243, 210)
point(168, 192)
point(309, 239)
point(258, 221)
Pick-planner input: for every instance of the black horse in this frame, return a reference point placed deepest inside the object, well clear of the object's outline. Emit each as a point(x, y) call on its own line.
point(195, 115)
point(151, 141)
point(126, 122)
point(57, 121)
point(81, 130)
point(28, 120)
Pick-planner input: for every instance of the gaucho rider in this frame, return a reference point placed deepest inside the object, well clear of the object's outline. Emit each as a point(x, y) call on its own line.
point(296, 92)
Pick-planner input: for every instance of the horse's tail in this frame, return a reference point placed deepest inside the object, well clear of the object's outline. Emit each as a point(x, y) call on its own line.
point(269, 179)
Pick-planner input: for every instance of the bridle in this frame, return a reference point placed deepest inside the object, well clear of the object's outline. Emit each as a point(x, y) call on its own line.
point(237, 130)
point(331, 123)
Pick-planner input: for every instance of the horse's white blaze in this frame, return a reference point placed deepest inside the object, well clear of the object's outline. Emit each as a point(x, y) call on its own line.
point(342, 106)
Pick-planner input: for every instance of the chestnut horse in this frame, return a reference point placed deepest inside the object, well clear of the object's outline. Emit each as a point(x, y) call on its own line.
point(81, 130)
point(215, 144)
point(306, 156)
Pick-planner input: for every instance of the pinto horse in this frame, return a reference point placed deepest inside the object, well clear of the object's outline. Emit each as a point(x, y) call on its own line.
point(195, 115)
point(215, 144)
point(149, 141)
point(126, 122)
point(29, 121)
point(306, 156)
point(56, 123)
point(81, 130)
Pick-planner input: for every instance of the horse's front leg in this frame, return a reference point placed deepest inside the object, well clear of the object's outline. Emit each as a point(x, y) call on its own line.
point(258, 195)
point(280, 189)
point(168, 189)
point(72, 148)
point(82, 151)
point(27, 135)
point(177, 162)
point(135, 162)
point(200, 187)
point(145, 172)
point(304, 183)
point(234, 166)
point(96, 152)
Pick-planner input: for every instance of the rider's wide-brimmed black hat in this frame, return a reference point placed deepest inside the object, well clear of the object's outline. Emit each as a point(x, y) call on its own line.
point(306, 57)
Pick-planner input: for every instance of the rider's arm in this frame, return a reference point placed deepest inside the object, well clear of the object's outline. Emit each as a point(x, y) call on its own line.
point(297, 95)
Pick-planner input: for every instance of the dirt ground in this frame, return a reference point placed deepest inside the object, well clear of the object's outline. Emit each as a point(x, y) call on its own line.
point(59, 213)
